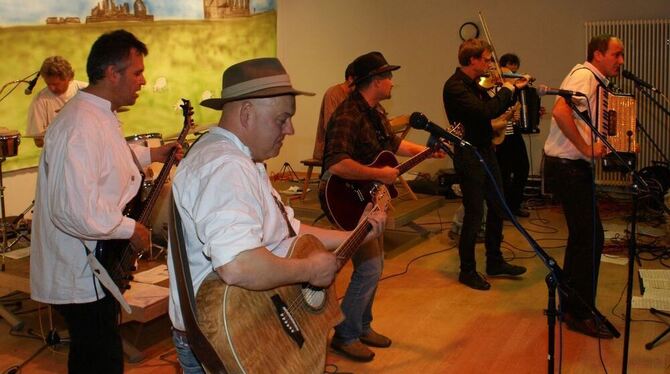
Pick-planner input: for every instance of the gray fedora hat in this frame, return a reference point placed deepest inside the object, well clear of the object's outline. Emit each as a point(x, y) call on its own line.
point(260, 77)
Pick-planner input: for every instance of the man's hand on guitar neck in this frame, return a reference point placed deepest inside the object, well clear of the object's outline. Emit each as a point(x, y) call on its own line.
point(377, 220)
point(141, 238)
point(161, 154)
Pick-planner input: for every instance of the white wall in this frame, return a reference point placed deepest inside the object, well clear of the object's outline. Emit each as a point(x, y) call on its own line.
point(318, 38)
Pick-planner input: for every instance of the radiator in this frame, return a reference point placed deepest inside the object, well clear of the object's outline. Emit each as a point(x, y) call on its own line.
point(647, 55)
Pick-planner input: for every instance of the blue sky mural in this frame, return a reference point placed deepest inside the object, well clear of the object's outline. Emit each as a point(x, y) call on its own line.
point(26, 12)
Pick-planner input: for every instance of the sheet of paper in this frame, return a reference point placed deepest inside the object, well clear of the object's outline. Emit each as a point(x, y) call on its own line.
point(152, 276)
point(646, 303)
point(18, 254)
point(142, 294)
point(614, 259)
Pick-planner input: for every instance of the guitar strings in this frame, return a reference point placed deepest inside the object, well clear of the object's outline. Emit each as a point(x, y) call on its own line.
point(343, 253)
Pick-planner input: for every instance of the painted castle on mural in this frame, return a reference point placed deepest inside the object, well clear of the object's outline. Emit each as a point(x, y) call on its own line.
point(107, 11)
point(219, 9)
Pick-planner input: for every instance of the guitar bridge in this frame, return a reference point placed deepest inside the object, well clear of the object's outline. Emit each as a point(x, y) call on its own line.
point(288, 323)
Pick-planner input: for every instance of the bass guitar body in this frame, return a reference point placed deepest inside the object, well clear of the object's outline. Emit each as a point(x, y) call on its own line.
point(283, 330)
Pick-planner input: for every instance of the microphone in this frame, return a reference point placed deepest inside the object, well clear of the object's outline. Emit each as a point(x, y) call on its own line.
point(31, 84)
point(419, 121)
point(566, 94)
point(628, 75)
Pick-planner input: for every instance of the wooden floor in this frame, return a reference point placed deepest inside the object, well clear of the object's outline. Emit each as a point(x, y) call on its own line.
point(437, 325)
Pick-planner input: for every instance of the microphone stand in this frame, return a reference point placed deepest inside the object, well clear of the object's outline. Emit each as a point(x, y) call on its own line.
point(632, 242)
point(16, 84)
point(554, 279)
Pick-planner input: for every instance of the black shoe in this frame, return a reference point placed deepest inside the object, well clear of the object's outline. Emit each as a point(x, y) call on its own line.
point(521, 213)
point(504, 268)
point(587, 326)
point(474, 280)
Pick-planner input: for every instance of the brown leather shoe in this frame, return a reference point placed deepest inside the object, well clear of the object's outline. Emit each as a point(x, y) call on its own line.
point(375, 339)
point(355, 350)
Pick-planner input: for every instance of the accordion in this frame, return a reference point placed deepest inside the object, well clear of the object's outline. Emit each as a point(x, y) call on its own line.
point(616, 117)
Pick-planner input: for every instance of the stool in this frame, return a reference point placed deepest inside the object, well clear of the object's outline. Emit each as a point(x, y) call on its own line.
point(310, 163)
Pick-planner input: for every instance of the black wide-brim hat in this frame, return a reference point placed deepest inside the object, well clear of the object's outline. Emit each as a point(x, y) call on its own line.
point(369, 65)
point(260, 77)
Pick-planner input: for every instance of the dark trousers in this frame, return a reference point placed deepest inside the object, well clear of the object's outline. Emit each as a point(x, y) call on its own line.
point(477, 187)
point(95, 342)
point(571, 182)
point(514, 166)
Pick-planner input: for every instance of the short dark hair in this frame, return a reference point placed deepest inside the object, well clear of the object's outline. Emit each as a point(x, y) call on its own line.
point(598, 43)
point(350, 71)
point(509, 59)
point(472, 48)
point(111, 48)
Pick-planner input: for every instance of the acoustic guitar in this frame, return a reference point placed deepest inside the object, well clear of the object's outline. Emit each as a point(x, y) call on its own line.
point(282, 330)
point(117, 255)
point(344, 200)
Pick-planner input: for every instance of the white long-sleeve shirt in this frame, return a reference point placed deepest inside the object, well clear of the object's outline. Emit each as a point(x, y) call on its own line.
point(86, 177)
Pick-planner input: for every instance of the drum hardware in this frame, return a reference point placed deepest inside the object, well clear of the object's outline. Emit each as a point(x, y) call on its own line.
point(9, 144)
point(9, 147)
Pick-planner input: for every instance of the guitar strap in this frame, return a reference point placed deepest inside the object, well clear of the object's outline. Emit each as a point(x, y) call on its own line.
point(291, 232)
point(101, 273)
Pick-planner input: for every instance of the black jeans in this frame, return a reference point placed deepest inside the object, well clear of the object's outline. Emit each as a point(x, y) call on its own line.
point(477, 187)
point(514, 166)
point(571, 182)
point(95, 341)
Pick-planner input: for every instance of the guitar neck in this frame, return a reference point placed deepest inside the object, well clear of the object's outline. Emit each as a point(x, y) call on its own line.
point(412, 162)
point(349, 246)
point(152, 198)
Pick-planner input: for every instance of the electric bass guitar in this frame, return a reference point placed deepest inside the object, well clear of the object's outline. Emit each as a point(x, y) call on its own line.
point(344, 200)
point(118, 256)
point(282, 330)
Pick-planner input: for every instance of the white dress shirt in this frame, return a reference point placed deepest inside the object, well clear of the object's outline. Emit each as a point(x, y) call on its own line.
point(86, 177)
point(581, 79)
point(226, 204)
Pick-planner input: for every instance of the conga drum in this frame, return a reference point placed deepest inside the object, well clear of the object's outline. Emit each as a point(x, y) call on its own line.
point(9, 143)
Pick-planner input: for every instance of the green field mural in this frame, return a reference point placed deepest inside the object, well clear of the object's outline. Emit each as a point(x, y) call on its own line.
point(186, 59)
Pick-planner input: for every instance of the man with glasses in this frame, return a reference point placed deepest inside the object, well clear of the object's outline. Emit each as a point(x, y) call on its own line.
point(469, 104)
point(357, 132)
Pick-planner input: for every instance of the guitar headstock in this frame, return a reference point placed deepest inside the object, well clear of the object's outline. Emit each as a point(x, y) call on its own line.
point(187, 111)
point(381, 198)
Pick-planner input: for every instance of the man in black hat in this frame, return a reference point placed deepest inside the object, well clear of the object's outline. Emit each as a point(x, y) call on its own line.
point(233, 220)
point(469, 104)
point(358, 130)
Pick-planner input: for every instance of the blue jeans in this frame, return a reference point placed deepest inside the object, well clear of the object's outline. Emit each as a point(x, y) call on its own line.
point(187, 360)
point(368, 264)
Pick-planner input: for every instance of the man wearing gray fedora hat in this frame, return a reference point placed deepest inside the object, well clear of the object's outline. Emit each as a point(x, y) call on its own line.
point(233, 220)
point(357, 132)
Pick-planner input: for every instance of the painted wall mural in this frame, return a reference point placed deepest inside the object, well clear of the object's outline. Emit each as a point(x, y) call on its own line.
point(190, 43)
